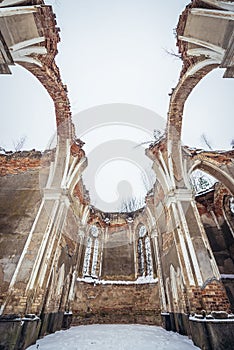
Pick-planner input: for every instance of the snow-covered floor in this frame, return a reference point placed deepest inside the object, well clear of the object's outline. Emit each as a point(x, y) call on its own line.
point(114, 337)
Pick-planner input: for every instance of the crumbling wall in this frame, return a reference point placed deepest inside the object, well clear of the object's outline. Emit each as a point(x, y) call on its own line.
point(116, 303)
point(20, 198)
point(118, 256)
point(218, 232)
point(212, 209)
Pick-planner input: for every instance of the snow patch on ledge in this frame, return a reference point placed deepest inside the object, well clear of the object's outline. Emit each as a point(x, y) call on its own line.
point(213, 320)
point(227, 276)
point(140, 280)
point(68, 313)
point(30, 319)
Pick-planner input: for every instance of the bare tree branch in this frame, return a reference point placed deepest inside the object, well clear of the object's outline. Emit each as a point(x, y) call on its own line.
point(206, 141)
point(2, 149)
point(232, 143)
point(173, 54)
point(18, 144)
point(157, 134)
point(129, 205)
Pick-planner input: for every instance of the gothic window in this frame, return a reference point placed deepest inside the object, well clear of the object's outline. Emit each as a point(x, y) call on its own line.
point(95, 258)
point(141, 267)
point(144, 253)
point(91, 253)
point(87, 256)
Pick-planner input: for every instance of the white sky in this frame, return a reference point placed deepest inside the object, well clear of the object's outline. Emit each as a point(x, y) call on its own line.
point(113, 52)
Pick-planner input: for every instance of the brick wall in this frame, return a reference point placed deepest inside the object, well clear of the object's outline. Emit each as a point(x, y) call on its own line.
point(19, 162)
point(112, 303)
point(214, 297)
point(211, 297)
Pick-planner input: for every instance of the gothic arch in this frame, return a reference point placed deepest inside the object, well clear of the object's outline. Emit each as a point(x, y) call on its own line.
point(200, 56)
point(214, 170)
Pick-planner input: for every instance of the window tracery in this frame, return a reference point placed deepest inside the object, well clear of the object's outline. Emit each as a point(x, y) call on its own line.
point(144, 253)
point(90, 266)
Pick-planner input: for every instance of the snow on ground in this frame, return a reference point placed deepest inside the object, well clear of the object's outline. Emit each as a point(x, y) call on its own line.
point(114, 337)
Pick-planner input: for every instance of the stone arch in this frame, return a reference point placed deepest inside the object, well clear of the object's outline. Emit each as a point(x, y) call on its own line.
point(214, 170)
point(36, 51)
point(187, 83)
point(200, 56)
point(50, 78)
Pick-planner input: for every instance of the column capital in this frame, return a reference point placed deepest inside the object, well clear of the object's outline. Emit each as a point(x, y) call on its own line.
point(180, 194)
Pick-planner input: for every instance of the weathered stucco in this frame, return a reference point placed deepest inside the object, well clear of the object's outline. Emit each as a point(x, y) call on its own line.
point(56, 248)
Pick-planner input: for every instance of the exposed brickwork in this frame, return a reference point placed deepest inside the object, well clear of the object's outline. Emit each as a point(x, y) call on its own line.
point(214, 297)
point(213, 200)
point(81, 193)
point(76, 149)
point(155, 147)
point(188, 61)
point(54, 247)
point(216, 158)
point(116, 304)
point(219, 194)
point(179, 97)
point(19, 162)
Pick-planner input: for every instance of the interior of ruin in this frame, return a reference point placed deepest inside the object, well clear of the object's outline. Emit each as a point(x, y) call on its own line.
point(65, 262)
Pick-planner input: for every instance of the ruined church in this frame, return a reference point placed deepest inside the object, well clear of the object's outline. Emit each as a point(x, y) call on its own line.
point(64, 262)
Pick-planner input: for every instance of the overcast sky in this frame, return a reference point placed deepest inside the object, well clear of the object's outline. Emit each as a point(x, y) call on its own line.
point(114, 52)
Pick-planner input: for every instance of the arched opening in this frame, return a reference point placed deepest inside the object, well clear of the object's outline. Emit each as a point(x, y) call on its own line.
point(115, 67)
point(214, 172)
point(207, 122)
point(145, 262)
point(215, 206)
point(31, 116)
